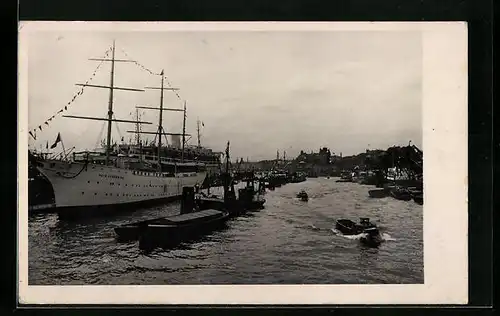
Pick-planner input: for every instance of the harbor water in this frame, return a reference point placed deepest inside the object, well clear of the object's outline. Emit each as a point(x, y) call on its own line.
point(288, 242)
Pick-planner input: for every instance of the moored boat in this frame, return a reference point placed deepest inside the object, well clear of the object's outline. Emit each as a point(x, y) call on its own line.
point(174, 229)
point(401, 194)
point(419, 198)
point(377, 193)
point(170, 231)
point(90, 182)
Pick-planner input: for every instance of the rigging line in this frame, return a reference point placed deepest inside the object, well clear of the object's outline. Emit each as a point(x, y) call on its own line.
point(100, 135)
point(82, 89)
point(151, 72)
point(170, 85)
point(139, 64)
point(117, 128)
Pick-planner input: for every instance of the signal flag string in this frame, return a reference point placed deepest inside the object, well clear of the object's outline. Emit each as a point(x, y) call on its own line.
point(75, 96)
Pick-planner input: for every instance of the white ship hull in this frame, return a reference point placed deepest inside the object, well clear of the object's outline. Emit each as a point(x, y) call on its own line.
point(78, 184)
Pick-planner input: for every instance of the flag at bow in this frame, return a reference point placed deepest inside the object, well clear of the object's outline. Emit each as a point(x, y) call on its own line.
point(58, 139)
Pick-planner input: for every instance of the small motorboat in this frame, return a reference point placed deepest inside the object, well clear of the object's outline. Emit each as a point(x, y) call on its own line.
point(419, 198)
point(344, 180)
point(372, 237)
point(378, 193)
point(401, 194)
point(302, 195)
point(348, 227)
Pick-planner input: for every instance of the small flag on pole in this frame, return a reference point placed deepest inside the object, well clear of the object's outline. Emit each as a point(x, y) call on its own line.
point(58, 139)
point(202, 124)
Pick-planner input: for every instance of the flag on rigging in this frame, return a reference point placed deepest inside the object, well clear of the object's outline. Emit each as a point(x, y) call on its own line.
point(58, 139)
point(202, 124)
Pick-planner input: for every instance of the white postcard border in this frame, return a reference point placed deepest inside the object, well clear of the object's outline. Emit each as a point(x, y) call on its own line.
point(444, 119)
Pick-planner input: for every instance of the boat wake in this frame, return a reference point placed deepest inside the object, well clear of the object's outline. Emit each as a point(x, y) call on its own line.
point(352, 237)
point(385, 236)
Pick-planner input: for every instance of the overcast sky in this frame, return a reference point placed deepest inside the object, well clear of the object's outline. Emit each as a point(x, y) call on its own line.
point(263, 91)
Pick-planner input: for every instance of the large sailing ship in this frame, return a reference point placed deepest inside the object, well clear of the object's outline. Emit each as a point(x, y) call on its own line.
point(128, 173)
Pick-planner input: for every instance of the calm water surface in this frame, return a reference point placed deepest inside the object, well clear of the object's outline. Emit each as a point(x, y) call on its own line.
point(288, 242)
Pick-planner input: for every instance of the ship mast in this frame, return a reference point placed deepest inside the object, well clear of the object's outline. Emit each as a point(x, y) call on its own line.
point(110, 103)
point(111, 88)
point(137, 128)
point(227, 158)
point(160, 121)
point(183, 132)
point(161, 131)
point(198, 132)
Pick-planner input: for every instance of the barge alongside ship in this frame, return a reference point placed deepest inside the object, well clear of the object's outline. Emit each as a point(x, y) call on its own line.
point(170, 231)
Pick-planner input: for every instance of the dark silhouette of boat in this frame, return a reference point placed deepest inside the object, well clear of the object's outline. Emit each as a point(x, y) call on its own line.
point(343, 180)
point(378, 193)
point(348, 227)
point(401, 194)
point(419, 198)
point(371, 237)
point(169, 231)
point(302, 195)
point(250, 198)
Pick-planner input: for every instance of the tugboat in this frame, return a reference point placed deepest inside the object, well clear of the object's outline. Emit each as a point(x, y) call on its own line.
point(302, 195)
point(249, 198)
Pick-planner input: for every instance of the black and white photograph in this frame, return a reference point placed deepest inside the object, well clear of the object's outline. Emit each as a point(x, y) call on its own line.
point(242, 154)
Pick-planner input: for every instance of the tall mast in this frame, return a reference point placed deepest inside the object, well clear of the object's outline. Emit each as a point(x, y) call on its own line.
point(109, 119)
point(198, 132)
point(161, 131)
point(137, 128)
point(227, 158)
point(160, 123)
point(183, 132)
point(110, 104)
